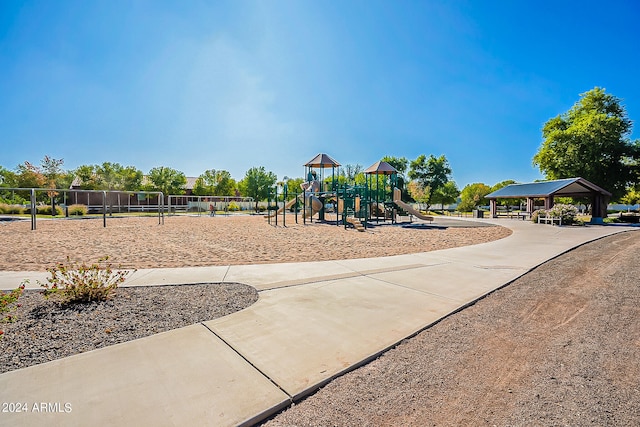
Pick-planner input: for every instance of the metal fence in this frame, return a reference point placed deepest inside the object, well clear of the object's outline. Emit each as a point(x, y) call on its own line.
point(97, 202)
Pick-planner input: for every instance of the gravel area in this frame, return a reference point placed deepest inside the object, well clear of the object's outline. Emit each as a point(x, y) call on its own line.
point(46, 330)
point(233, 240)
point(559, 346)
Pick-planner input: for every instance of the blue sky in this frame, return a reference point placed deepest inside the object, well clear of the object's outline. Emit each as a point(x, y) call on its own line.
point(200, 85)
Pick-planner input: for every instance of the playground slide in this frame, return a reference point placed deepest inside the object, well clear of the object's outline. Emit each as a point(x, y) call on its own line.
point(408, 208)
point(316, 205)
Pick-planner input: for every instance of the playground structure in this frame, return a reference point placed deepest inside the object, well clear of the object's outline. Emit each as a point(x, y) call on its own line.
point(332, 199)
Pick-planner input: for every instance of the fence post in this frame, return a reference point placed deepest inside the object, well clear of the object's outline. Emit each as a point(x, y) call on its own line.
point(33, 209)
point(161, 208)
point(284, 204)
point(104, 209)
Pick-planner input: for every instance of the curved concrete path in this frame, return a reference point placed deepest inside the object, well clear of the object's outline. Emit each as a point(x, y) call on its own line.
point(312, 322)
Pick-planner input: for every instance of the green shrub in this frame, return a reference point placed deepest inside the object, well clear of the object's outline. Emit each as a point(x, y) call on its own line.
point(77, 210)
point(233, 207)
point(73, 282)
point(568, 213)
point(46, 210)
point(536, 214)
point(11, 209)
point(8, 303)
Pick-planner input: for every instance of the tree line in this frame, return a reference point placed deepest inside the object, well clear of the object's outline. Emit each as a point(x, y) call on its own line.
point(430, 179)
point(591, 140)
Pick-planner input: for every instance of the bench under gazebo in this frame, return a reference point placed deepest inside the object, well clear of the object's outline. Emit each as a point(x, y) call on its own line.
point(548, 190)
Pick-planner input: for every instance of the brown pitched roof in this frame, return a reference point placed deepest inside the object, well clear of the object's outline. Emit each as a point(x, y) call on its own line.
point(380, 168)
point(322, 161)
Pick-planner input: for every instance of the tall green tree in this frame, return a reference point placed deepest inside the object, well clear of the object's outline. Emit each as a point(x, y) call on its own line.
point(472, 196)
point(87, 177)
point(7, 177)
point(257, 183)
point(214, 183)
point(167, 180)
point(130, 178)
point(431, 172)
point(29, 176)
point(109, 176)
point(52, 170)
point(446, 194)
point(591, 141)
point(400, 164)
point(349, 173)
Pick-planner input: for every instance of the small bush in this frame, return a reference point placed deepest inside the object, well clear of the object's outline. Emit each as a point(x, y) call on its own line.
point(568, 213)
point(78, 210)
point(8, 303)
point(73, 282)
point(233, 207)
point(536, 214)
point(11, 209)
point(45, 210)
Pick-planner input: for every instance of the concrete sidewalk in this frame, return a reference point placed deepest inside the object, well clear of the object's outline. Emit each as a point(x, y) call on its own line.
point(312, 322)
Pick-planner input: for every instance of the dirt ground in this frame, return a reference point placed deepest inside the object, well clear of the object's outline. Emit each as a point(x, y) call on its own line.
point(222, 240)
point(559, 346)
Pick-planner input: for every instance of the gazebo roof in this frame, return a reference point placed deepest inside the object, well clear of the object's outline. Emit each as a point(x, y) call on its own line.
point(570, 187)
point(322, 161)
point(380, 168)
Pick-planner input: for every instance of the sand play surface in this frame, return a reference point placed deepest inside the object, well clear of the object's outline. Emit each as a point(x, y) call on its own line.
point(223, 240)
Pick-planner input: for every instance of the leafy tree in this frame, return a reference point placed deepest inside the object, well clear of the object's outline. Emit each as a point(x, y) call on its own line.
point(632, 197)
point(109, 176)
point(472, 196)
point(7, 177)
point(349, 173)
point(417, 191)
point(432, 172)
point(87, 177)
point(30, 176)
point(257, 183)
point(446, 194)
point(166, 180)
point(214, 183)
point(591, 141)
point(52, 170)
point(131, 179)
point(293, 185)
point(400, 164)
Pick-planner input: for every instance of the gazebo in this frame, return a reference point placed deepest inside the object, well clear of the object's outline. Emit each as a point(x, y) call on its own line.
point(547, 190)
point(321, 161)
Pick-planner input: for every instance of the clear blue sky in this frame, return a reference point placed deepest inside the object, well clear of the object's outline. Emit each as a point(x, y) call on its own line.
point(198, 85)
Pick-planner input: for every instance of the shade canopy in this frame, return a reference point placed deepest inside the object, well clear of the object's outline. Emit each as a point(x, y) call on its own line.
point(322, 161)
point(547, 190)
point(570, 187)
point(380, 168)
